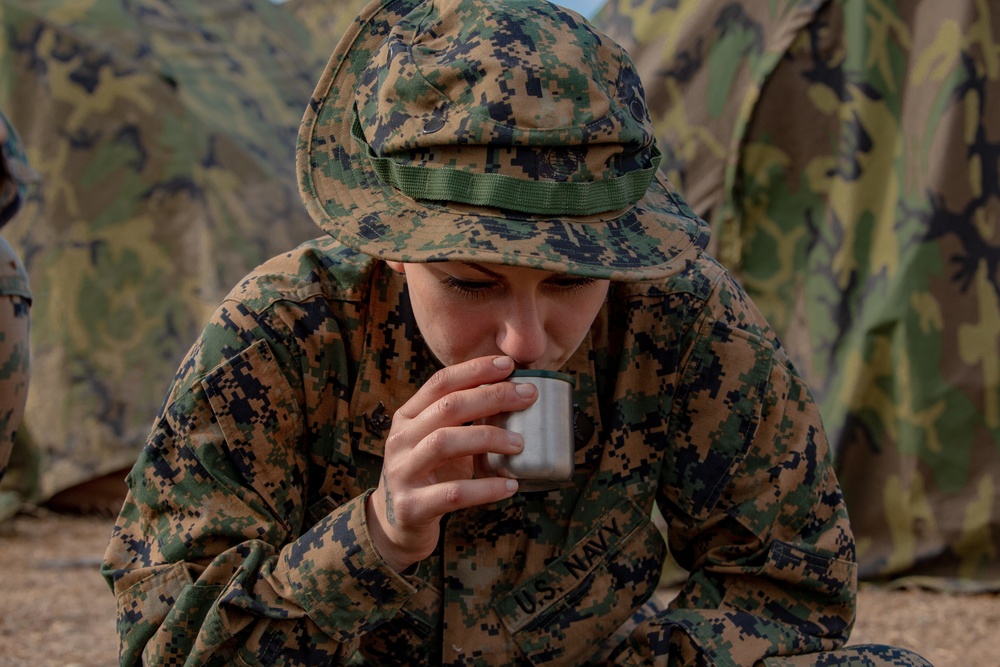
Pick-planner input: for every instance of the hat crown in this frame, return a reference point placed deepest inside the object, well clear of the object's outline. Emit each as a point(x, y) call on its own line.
point(524, 89)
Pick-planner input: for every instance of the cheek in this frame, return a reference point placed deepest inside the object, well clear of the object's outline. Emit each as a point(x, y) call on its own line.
point(453, 334)
point(589, 305)
point(573, 320)
point(570, 328)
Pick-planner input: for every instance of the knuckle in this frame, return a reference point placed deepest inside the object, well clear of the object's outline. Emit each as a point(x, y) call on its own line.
point(436, 443)
point(452, 494)
point(440, 381)
point(396, 441)
point(498, 392)
point(490, 436)
point(448, 406)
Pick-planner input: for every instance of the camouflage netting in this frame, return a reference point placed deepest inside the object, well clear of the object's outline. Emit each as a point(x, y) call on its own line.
point(164, 134)
point(846, 154)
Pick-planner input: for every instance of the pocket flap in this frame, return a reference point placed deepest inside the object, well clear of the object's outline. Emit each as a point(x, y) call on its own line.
point(254, 404)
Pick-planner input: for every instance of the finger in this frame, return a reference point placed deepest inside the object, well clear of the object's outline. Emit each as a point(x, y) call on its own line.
point(468, 374)
point(459, 408)
point(447, 444)
point(471, 405)
point(429, 503)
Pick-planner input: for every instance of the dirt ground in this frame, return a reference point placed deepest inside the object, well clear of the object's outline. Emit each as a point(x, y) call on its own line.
point(56, 611)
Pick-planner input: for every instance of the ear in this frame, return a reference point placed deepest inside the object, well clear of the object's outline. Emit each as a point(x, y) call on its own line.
point(398, 267)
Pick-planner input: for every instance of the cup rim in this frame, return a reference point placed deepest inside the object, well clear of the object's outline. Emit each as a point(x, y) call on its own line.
point(533, 373)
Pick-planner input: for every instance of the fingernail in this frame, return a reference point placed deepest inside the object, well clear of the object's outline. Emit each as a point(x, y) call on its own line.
point(515, 440)
point(503, 363)
point(524, 389)
point(511, 485)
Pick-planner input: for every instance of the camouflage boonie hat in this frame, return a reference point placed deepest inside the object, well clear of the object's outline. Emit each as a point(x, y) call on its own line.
point(500, 132)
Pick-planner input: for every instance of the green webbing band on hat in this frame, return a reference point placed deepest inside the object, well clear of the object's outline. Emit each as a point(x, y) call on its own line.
point(508, 192)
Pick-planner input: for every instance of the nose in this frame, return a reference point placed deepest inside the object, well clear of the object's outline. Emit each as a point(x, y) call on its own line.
point(521, 334)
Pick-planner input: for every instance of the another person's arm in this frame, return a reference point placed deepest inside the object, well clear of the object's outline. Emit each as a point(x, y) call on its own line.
point(15, 297)
point(15, 305)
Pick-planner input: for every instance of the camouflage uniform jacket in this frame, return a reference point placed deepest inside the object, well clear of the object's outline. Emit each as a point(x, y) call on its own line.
point(243, 539)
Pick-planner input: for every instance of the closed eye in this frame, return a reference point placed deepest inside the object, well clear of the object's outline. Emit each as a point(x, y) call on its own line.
point(570, 283)
point(471, 288)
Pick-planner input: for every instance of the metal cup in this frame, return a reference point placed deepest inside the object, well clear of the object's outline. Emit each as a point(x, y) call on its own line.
point(547, 427)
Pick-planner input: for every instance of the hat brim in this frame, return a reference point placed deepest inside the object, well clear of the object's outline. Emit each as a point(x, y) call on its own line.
point(648, 240)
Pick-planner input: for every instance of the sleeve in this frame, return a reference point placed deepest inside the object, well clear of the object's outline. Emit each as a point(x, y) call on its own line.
point(207, 560)
point(15, 172)
point(15, 348)
point(753, 508)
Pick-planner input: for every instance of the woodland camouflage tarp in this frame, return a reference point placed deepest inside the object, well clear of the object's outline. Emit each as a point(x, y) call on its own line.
point(164, 135)
point(846, 155)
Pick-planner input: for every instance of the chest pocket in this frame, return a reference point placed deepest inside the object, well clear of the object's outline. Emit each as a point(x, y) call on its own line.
point(564, 613)
point(253, 403)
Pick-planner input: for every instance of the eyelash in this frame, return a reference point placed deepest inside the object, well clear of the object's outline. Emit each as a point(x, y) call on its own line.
point(478, 290)
point(467, 288)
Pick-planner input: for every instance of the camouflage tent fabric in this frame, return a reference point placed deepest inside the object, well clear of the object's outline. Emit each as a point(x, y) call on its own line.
point(846, 155)
point(164, 135)
point(326, 21)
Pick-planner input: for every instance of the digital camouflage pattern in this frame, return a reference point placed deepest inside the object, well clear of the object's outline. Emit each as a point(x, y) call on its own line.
point(164, 133)
point(15, 300)
point(243, 539)
point(845, 155)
